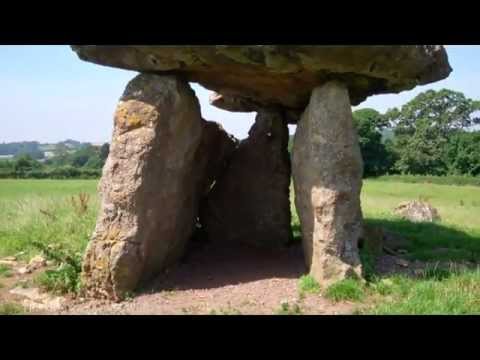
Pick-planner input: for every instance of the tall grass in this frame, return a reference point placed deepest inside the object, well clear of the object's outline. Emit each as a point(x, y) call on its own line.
point(43, 212)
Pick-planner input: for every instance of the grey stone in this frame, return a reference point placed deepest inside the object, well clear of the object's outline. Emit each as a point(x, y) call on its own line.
point(149, 187)
point(283, 74)
point(250, 202)
point(327, 173)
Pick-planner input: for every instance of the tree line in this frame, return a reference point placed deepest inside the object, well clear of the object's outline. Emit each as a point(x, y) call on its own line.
point(433, 134)
point(84, 163)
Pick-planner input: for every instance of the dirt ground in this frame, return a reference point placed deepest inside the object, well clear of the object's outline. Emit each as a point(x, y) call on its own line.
point(228, 280)
point(210, 280)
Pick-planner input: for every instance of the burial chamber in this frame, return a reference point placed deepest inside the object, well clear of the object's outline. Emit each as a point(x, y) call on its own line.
point(169, 171)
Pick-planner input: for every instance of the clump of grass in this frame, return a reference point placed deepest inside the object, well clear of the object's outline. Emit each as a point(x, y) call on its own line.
point(226, 311)
point(348, 289)
point(285, 309)
point(11, 309)
point(308, 285)
point(5, 271)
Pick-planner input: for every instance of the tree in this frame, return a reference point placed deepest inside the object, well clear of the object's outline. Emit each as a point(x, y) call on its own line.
point(423, 126)
point(369, 124)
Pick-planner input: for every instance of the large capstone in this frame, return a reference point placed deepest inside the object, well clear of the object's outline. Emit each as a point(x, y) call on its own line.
point(283, 75)
point(327, 173)
point(149, 188)
point(250, 203)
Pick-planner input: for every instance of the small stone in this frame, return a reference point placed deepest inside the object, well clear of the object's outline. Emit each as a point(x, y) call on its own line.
point(402, 251)
point(417, 211)
point(36, 262)
point(24, 270)
point(10, 258)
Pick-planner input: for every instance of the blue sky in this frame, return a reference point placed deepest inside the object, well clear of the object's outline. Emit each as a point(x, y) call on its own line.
point(47, 94)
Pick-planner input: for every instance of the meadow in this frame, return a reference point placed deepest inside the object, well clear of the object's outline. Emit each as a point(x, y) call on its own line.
point(53, 212)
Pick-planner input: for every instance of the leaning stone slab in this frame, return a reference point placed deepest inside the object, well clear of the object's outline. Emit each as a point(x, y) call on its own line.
point(327, 173)
point(250, 202)
point(149, 186)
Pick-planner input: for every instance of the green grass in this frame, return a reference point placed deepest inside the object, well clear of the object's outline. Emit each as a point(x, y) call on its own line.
point(11, 309)
point(5, 271)
point(308, 285)
point(457, 294)
point(41, 211)
point(440, 180)
point(348, 289)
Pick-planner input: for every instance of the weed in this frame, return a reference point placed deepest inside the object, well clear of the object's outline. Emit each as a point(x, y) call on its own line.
point(80, 203)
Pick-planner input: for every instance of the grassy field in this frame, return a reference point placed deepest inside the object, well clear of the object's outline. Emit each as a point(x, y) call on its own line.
point(43, 211)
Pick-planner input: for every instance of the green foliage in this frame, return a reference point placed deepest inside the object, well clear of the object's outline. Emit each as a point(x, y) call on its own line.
point(423, 129)
point(369, 124)
point(71, 160)
point(348, 289)
point(307, 284)
point(64, 279)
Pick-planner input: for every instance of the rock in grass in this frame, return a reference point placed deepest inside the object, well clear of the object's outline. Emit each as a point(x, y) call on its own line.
point(417, 211)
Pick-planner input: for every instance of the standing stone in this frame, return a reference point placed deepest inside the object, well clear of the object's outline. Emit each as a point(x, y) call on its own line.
point(250, 202)
point(327, 172)
point(211, 158)
point(149, 187)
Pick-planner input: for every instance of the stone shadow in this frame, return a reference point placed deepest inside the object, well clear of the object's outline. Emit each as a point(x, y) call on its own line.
point(432, 249)
point(212, 265)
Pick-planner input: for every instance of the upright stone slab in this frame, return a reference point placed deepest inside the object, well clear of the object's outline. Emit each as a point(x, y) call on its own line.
point(327, 172)
point(250, 202)
point(149, 187)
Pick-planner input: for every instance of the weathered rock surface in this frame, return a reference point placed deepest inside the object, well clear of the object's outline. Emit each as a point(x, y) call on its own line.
point(327, 172)
point(417, 211)
point(149, 186)
point(282, 74)
point(237, 104)
point(250, 202)
point(216, 147)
